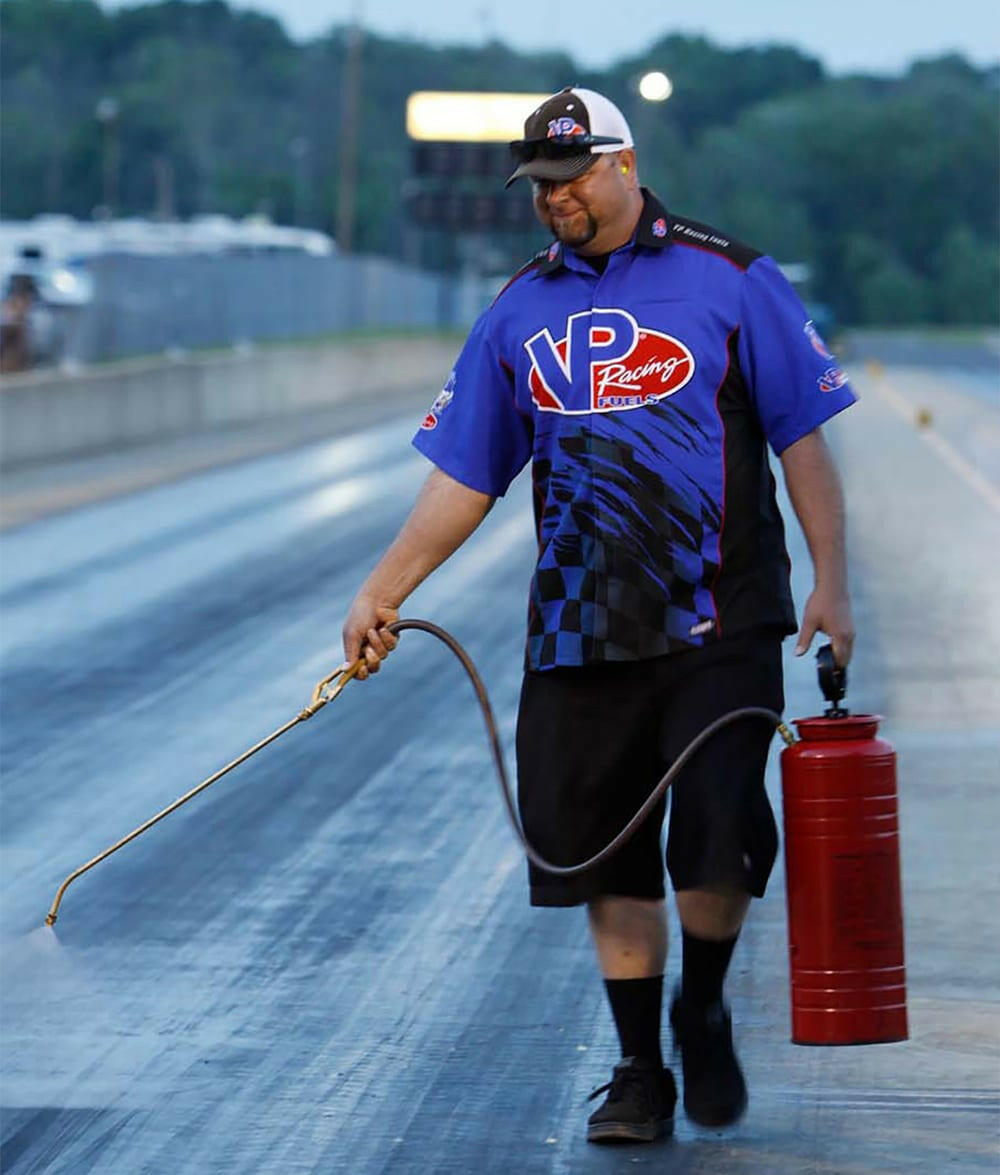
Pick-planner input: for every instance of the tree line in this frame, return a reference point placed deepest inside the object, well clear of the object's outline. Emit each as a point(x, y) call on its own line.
point(886, 186)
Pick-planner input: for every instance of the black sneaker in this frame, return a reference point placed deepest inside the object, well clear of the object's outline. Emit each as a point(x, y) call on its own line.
point(715, 1093)
point(639, 1106)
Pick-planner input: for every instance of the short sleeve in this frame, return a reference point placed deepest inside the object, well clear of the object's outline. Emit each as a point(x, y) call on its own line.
point(474, 431)
point(793, 378)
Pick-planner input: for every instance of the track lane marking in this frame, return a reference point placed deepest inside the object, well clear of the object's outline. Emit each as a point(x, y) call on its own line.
point(944, 449)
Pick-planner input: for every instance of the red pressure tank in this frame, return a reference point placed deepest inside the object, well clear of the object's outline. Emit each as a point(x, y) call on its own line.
point(845, 915)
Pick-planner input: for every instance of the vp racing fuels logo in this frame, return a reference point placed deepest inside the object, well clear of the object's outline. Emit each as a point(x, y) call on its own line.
point(443, 399)
point(814, 337)
point(832, 378)
point(605, 362)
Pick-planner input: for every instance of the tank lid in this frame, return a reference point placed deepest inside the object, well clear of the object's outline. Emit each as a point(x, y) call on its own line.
point(823, 730)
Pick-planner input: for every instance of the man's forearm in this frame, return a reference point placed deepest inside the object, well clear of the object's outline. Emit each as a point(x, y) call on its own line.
point(444, 516)
point(814, 488)
point(818, 500)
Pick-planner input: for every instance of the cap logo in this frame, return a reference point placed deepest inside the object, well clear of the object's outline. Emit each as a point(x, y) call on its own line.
point(659, 227)
point(565, 128)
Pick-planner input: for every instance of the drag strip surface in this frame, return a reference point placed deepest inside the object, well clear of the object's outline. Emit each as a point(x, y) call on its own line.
point(326, 962)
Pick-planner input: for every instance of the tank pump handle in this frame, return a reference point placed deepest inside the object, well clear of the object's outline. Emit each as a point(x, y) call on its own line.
point(832, 681)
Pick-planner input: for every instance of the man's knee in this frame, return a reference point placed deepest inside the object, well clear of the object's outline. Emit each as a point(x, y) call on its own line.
point(630, 936)
point(618, 910)
point(714, 912)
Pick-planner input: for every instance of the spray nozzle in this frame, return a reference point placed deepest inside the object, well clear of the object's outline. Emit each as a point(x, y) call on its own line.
point(832, 681)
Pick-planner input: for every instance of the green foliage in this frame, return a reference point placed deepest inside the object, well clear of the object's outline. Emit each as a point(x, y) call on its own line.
point(886, 186)
point(712, 85)
point(968, 278)
point(897, 165)
point(892, 294)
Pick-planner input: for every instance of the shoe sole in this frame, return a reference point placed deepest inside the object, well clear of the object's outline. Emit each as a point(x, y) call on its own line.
point(715, 1121)
point(629, 1131)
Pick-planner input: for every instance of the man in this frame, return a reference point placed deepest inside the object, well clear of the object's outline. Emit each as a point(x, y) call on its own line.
point(15, 323)
point(642, 362)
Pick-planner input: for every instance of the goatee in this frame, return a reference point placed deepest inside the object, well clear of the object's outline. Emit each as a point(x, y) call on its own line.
point(576, 238)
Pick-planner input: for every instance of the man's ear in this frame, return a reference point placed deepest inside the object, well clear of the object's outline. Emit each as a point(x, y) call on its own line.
point(626, 165)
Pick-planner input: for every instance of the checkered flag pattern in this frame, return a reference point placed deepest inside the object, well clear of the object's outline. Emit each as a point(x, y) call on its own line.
point(623, 554)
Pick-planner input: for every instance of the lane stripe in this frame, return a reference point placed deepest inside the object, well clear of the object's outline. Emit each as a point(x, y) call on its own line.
point(944, 449)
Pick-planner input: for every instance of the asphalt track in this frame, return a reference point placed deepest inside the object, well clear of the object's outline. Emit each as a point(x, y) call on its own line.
point(326, 962)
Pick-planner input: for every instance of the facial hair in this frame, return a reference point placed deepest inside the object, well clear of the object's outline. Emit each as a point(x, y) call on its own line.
point(575, 238)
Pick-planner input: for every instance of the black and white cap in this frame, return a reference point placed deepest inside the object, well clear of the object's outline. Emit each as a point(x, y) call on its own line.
point(564, 136)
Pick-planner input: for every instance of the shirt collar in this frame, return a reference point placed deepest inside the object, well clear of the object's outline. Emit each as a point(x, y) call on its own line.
point(652, 231)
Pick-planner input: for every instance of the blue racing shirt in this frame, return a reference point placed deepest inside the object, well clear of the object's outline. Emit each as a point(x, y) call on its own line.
point(646, 397)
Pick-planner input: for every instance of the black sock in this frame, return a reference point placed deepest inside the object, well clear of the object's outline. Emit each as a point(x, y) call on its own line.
point(705, 966)
point(636, 1005)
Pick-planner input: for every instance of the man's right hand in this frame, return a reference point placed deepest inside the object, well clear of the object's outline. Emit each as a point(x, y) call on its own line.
point(366, 635)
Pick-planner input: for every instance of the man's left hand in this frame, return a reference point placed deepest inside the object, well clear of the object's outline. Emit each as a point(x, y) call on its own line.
point(830, 612)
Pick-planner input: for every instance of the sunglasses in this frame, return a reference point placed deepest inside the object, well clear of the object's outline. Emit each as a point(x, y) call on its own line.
point(526, 150)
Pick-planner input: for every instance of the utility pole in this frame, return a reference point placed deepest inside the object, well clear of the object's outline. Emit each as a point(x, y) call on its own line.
point(350, 114)
point(107, 112)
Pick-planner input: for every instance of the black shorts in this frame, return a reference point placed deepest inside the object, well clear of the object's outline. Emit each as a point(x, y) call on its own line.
point(593, 742)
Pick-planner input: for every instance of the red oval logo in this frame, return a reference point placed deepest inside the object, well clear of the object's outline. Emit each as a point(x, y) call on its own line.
point(657, 366)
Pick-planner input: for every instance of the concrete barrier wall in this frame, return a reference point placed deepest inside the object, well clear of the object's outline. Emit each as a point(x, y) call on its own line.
point(46, 415)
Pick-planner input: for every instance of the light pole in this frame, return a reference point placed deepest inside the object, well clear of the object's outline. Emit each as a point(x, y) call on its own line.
point(107, 113)
point(299, 149)
point(163, 178)
point(349, 119)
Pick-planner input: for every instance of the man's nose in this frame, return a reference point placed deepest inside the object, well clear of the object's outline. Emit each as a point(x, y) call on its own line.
point(556, 192)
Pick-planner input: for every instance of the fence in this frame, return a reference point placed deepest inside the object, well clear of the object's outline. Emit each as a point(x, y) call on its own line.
point(164, 304)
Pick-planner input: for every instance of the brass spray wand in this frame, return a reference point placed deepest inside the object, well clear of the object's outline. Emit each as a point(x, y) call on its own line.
point(330, 687)
point(323, 693)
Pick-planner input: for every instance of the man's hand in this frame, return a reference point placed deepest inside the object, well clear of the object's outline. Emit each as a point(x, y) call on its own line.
point(366, 634)
point(828, 611)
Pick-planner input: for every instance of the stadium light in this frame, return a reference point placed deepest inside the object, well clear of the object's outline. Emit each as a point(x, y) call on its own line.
point(456, 117)
point(655, 86)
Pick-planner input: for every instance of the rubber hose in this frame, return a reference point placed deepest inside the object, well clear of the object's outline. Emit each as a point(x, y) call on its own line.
point(531, 852)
